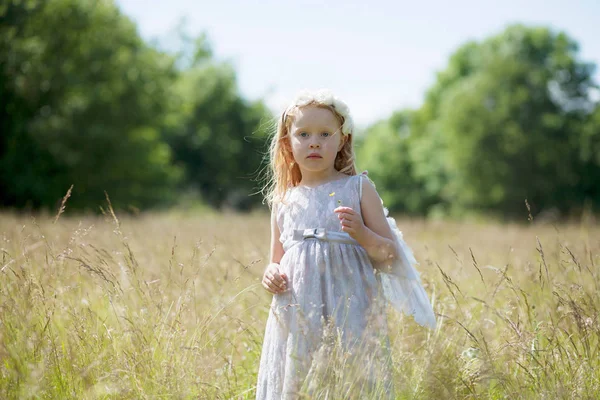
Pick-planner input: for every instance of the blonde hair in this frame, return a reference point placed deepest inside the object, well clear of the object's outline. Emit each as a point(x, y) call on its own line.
point(284, 172)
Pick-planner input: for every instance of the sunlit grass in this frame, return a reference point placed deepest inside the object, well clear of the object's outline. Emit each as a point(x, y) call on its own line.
point(170, 306)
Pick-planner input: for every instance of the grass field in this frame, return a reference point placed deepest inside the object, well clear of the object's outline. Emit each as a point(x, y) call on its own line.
point(170, 306)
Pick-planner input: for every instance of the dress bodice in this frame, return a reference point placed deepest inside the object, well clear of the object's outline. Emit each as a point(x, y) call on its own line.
point(312, 207)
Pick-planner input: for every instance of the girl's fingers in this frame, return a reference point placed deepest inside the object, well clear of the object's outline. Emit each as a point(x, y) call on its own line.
point(277, 280)
point(344, 210)
point(268, 282)
point(276, 288)
point(345, 215)
point(273, 282)
point(274, 277)
point(269, 287)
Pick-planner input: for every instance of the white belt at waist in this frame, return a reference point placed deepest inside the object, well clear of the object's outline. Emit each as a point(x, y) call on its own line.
point(300, 235)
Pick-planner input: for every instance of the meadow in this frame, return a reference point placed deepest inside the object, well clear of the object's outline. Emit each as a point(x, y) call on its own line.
point(170, 306)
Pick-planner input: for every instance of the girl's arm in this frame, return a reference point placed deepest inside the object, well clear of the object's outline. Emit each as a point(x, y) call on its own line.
point(372, 231)
point(273, 280)
point(277, 252)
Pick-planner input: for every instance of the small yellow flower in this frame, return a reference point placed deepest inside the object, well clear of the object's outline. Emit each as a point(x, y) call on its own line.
point(339, 201)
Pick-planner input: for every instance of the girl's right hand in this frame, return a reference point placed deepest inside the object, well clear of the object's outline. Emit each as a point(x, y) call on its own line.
point(274, 281)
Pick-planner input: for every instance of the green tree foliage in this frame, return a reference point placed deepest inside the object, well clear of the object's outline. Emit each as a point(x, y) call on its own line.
point(510, 119)
point(82, 101)
point(85, 101)
point(386, 152)
point(589, 155)
point(218, 136)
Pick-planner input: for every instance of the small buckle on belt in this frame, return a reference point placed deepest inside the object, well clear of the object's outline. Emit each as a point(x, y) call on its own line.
point(310, 233)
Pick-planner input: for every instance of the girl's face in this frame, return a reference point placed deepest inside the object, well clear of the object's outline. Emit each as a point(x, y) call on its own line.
point(316, 138)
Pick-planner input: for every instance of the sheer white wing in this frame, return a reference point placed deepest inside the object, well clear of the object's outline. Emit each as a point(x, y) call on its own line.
point(402, 287)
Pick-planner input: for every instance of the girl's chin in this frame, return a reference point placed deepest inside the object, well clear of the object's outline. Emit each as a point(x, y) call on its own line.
point(314, 168)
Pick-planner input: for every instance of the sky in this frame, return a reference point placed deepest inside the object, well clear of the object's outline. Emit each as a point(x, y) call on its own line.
point(378, 56)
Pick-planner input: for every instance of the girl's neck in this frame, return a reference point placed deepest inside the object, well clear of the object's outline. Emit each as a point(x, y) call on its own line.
point(313, 178)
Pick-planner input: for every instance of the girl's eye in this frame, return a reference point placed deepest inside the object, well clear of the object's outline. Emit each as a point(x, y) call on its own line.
point(303, 134)
point(325, 134)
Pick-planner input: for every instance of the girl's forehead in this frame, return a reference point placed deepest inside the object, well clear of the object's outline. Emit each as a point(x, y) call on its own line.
point(314, 116)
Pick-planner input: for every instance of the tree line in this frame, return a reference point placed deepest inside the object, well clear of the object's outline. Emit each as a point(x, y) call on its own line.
point(512, 122)
point(84, 101)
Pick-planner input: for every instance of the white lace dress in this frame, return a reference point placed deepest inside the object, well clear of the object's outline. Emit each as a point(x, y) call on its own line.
point(328, 331)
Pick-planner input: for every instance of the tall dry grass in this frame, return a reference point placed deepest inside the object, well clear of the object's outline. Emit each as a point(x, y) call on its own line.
point(170, 306)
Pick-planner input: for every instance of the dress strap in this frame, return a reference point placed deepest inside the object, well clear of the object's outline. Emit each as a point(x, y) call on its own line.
point(360, 180)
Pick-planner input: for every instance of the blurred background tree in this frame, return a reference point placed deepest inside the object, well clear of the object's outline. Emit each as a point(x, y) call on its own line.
point(511, 118)
point(216, 136)
point(85, 101)
point(385, 151)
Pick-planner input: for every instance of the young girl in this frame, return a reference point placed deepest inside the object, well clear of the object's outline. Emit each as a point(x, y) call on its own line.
point(335, 260)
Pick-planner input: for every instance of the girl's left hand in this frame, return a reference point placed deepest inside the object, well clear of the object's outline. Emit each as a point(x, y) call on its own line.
point(352, 223)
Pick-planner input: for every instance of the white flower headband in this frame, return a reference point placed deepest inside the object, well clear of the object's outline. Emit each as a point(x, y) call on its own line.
point(326, 97)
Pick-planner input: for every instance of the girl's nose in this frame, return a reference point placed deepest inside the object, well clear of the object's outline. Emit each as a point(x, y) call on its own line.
point(314, 145)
